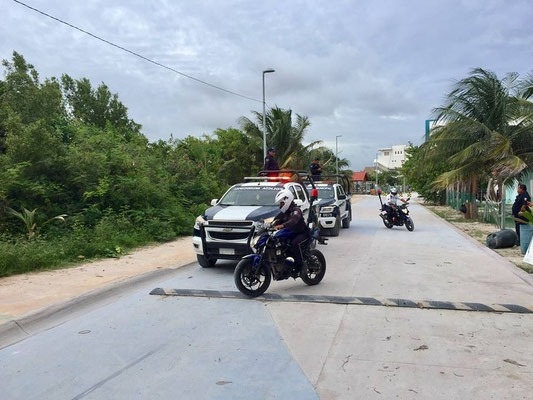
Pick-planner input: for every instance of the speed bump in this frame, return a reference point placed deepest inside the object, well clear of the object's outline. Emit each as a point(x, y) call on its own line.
point(352, 300)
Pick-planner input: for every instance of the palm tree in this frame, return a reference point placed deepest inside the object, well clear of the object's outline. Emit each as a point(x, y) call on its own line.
point(484, 131)
point(281, 134)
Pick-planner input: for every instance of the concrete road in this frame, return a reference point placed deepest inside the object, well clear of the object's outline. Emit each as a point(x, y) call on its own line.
point(427, 314)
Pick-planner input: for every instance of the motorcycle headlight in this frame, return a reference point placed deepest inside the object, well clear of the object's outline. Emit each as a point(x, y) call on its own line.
point(269, 221)
point(404, 210)
point(253, 242)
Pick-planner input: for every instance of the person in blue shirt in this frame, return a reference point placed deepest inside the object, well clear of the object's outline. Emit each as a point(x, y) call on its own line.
point(316, 169)
point(270, 161)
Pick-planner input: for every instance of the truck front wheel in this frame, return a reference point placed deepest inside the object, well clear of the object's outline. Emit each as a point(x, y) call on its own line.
point(206, 262)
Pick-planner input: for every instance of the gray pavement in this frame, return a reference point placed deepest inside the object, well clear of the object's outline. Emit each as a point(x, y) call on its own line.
point(389, 332)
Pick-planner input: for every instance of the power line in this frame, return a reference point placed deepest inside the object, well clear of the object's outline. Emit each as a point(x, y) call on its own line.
point(134, 53)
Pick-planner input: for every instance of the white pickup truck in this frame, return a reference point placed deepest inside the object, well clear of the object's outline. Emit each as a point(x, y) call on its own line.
point(334, 204)
point(225, 229)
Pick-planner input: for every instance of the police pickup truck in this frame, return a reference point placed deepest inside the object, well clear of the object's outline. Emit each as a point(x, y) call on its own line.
point(334, 204)
point(225, 229)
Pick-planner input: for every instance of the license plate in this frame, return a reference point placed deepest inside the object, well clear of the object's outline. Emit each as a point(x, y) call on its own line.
point(227, 251)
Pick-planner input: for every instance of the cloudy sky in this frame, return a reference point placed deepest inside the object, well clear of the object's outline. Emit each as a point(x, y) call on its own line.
point(368, 70)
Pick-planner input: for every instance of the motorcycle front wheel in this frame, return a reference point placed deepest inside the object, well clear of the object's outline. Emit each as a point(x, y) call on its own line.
point(409, 224)
point(251, 281)
point(314, 268)
point(386, 222)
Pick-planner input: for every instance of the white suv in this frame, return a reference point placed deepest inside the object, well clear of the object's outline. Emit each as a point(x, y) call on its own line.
point(225, 229)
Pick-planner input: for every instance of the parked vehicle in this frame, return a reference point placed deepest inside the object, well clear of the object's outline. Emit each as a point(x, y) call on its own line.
point(397, 216)
point(225, 229)
point(269, 260)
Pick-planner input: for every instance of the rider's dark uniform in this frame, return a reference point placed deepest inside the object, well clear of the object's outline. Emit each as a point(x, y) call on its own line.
point(293, 219)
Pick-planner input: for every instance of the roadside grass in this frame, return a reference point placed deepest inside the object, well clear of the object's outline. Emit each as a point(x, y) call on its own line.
point(62, 247)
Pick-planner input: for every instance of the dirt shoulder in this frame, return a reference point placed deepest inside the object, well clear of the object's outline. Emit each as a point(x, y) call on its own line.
point(27, 293)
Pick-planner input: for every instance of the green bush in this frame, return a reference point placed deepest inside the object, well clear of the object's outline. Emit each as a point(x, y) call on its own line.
point(109, 235)
point(24, 256)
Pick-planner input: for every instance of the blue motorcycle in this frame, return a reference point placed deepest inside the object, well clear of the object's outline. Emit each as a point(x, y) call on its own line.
point(271, 260)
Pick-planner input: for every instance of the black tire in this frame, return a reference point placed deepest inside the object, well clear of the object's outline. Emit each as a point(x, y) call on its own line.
point(346, 221)
point(206, 262)
point(251, 281)
point(337, 228)
point(409, 224)
point(314, 268)
point(387, 223)
point(502, 239)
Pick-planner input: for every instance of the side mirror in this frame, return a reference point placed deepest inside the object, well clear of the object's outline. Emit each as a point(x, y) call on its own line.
point(214, 202)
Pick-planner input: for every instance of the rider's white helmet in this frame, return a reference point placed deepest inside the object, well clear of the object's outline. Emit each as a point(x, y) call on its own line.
point(393, 191)
point(284, 198)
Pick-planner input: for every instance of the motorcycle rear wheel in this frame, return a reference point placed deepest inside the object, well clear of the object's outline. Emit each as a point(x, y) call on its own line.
point(409, 224)
point(314, 268)
point(251, 281)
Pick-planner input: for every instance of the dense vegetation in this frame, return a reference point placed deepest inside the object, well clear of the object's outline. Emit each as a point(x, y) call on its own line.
point(80, 180)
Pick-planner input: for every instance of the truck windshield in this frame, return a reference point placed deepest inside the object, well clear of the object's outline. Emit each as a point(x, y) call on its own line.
point(324, 192)
point(250, 196)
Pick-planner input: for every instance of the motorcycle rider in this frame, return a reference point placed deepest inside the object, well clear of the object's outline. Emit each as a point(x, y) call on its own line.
point(391, 205)
point(291, 218)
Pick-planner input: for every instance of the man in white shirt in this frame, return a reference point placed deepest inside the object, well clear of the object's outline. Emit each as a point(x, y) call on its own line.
point(392, 203)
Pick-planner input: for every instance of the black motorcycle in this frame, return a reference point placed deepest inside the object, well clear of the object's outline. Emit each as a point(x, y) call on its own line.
point(271, 260)
point(398, 216)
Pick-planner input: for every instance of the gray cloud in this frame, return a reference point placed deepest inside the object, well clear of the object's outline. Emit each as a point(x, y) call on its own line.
point(369, 71)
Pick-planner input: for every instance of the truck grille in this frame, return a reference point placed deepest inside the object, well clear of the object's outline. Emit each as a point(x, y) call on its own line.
point(229, 235)
point(229, 230)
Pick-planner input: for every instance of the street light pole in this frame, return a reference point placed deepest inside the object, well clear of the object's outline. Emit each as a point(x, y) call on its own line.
point(337, 153)
point(266, 71)
point(376, 171)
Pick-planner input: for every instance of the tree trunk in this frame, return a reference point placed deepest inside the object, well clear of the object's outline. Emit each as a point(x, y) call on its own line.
point(471, 206)
point(471, 210)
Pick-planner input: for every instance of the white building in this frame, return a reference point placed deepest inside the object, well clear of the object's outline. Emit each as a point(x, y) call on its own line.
point(390, 157)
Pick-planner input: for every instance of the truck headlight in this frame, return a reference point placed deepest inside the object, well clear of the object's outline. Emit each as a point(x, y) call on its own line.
point(199, 222)
point(327, 210)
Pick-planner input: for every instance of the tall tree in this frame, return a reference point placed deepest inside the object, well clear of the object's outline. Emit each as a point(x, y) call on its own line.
point(97, 107)
point(484, 130)
point(24, 94)
point(421, 174)
point(25, 100)
point(236, 154)
point(283, 135)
